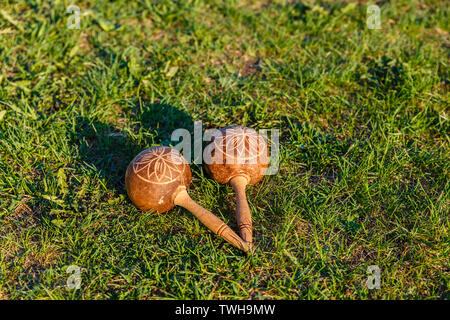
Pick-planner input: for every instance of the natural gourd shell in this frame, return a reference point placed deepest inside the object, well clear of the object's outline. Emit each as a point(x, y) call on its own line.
point(154, 176)
point(238, 151)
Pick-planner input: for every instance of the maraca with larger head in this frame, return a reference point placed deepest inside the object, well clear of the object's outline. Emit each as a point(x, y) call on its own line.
point(239, 156)
point(158, 178)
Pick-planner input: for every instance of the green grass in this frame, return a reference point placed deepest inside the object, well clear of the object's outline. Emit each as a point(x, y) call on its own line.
point(364, 147)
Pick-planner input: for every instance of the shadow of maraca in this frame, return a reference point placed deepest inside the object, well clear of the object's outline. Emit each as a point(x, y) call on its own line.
point(162, 119)
point(104, 148)
point(109, 148)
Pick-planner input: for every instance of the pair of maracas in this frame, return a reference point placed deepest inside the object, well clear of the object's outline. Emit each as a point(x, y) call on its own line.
point(158, 179)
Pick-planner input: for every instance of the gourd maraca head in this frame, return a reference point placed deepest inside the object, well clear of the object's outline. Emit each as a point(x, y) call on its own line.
point(238, 151)
point(155, 176)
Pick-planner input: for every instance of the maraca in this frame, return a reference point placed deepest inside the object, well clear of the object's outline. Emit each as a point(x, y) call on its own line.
point(239, 157)
point(158, 179)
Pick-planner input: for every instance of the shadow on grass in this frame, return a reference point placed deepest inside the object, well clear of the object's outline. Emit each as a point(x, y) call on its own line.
point(384, 75)
point(110, 149)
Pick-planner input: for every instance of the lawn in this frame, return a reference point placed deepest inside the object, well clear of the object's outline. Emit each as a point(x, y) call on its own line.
point(364, 147)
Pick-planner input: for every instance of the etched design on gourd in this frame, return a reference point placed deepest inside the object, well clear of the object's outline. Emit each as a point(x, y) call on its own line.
point(159, 166)
point(243, 144)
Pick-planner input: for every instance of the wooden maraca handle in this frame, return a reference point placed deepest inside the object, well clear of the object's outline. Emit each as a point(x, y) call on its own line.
point(243, 215)
point(211, 221)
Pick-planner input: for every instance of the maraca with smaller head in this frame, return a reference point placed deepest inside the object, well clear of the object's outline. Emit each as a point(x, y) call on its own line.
point(158, 179)
point(239, 156)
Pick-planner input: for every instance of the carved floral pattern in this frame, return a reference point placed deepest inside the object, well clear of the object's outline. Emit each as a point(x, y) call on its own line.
point(159, 165)
point(241, 143)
